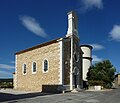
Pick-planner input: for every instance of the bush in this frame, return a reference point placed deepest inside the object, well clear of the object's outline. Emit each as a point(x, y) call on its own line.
point(101, 73)
point(109, 85)
point(96, 82)
point(6, 84)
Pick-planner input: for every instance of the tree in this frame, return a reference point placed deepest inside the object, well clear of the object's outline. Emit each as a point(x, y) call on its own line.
point(102, 73)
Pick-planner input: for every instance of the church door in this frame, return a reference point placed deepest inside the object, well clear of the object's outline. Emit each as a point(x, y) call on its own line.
point(75, 76)
point(75, 81)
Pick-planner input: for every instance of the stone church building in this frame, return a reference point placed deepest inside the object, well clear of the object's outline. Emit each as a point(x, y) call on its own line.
point(56, 65)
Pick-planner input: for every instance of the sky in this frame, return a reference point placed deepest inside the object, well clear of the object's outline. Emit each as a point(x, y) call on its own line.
point(26, 23)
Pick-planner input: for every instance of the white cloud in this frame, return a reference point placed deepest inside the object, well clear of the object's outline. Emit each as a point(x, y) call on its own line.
point(89, 4)
point(97, 46)
point(4, 74)
point(115, 33)
point(32, 25)
point(96, 59)
point(5, 66)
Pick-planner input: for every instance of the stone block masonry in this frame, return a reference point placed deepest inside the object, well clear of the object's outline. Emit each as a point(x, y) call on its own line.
point(34, 82)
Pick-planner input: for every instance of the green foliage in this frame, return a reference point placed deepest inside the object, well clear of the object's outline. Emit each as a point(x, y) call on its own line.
point(95, 82)
point(6, 83)
point(101, 73)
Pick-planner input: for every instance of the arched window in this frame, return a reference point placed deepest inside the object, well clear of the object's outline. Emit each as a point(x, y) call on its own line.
point(34, 67)
point(45, 68)
point(24, 69)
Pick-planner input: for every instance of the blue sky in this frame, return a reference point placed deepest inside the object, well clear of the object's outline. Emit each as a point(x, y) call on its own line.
point(25, 23)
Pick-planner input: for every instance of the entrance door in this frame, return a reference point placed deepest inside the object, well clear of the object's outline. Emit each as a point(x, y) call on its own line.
point(75, 81)
point(75, 76)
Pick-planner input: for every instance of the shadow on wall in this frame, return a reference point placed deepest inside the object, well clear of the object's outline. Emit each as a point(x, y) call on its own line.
point(52, 88)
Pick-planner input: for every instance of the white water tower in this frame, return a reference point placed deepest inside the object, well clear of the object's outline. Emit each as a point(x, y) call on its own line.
point(86, 60)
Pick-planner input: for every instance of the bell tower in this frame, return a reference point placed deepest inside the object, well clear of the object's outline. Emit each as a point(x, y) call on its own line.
point(72, 24)
point(72, 34)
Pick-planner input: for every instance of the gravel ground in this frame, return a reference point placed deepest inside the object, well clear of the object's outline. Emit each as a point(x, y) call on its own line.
point(11, 96)
point(12, 91)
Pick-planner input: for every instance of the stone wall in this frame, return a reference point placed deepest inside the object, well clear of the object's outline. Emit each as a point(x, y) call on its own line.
point(77, 61)
point(67, 52)
point(118, 80)
point(67, 57)
point(34, 82)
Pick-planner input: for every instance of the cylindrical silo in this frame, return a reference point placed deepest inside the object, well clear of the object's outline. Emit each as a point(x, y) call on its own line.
point(86, 59)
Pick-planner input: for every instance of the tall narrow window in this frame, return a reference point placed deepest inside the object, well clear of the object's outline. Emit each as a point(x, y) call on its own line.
point(34, 67)
point(24, 69)
point(45, 66)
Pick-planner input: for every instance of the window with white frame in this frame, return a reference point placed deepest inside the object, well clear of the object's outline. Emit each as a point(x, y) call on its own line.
point(45, 66)
point(34, 67)
point(24, 69)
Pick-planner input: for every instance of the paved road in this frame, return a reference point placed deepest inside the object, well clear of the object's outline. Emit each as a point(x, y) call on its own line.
point(81, 97)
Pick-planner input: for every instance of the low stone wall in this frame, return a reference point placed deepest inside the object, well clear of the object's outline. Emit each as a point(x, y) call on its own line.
point(95, 88)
